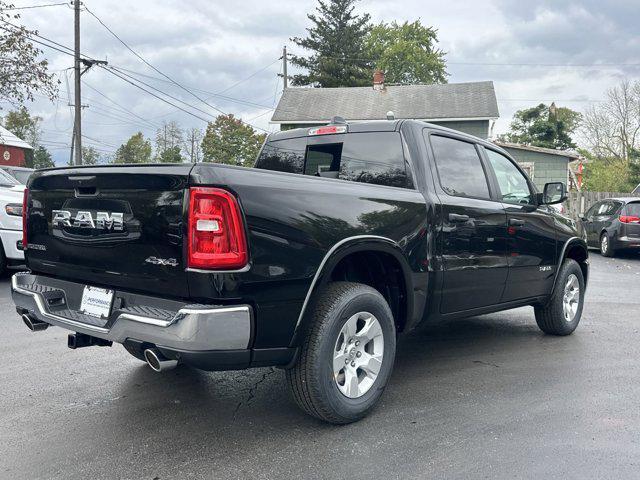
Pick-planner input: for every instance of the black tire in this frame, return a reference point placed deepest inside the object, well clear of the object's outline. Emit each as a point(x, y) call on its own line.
point(606, 245)
point(550, 317)
point(3, 262)
point(311, 379)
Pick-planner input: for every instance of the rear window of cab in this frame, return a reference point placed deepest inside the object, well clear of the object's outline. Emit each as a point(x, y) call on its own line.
point(372, 157)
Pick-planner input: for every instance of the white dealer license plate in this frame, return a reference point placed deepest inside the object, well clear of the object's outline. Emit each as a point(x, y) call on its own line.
point(96, 301)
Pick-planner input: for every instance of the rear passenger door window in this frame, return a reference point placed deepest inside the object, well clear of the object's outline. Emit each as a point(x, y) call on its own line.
point(459, 168)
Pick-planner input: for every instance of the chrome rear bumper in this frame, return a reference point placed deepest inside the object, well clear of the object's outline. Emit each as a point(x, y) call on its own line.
point(186, 328)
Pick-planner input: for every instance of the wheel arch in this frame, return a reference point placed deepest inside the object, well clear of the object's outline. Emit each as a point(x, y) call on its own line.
point(576, 249)
point(386, 257)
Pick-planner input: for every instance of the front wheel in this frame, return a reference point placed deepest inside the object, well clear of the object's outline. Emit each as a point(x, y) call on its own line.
point(562, 314)
point(347, 354)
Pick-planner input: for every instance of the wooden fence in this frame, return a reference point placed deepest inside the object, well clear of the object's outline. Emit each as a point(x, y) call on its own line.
point(579, 202)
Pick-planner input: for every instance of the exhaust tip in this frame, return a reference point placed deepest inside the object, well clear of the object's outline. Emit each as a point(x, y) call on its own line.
point(34, 324)
point(157, 361)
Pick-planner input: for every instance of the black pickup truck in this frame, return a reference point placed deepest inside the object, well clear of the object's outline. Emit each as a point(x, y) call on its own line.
point(314, 260)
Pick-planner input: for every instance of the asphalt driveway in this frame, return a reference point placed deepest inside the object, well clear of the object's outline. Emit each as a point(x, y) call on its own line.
point(489, 397)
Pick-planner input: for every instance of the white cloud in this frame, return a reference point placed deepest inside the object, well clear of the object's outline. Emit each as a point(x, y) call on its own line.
point(212, 45)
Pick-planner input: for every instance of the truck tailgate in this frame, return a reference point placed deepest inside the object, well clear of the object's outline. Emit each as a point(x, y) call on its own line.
point(116, 226)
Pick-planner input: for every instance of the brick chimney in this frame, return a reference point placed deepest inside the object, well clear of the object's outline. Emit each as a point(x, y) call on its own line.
point(378, 80)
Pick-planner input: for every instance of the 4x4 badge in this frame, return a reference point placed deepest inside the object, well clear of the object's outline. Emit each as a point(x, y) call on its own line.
point(167, 262)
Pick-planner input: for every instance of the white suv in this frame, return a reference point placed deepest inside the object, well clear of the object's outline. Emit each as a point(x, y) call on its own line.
point(11, 193)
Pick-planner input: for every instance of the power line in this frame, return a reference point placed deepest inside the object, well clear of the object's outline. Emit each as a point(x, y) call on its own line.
point(159, 71)
point(207, 92)
point(36, 6)
point(58, 46)
point(231, 99)
point(34, 40)
point(165, 93)
point(247, 78)
point(120, 106)
point(156, 96)
point(258, 104)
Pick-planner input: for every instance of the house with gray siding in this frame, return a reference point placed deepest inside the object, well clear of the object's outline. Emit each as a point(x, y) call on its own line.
point(467, 107)
point(543, 165)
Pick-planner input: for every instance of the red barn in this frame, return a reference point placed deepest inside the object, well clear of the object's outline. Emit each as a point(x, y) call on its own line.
point(12, 149)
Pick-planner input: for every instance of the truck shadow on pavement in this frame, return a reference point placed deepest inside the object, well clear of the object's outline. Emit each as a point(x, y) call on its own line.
point(480, 346)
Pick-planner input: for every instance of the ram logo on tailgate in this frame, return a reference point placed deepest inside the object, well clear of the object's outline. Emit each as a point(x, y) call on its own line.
point(104, 220)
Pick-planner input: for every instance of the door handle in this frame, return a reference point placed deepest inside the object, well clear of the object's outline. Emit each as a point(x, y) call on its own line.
point(456, 218)
point(516, 222)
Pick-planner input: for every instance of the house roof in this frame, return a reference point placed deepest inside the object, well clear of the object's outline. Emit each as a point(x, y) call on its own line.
point(451, 101)
point(9, 139)
point(530, 148)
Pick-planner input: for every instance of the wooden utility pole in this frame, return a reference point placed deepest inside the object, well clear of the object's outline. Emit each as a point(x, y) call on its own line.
point(78, 97)
point(284, 66)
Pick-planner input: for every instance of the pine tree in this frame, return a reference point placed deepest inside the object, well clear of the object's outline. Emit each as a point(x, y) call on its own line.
point(336, 41)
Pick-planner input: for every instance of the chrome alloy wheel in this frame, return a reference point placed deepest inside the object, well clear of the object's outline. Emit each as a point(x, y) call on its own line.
point(604, 244)
point(357, 355)
point(571, 298)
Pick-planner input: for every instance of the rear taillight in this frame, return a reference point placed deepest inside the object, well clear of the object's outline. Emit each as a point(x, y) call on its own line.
point(216, 231)
point(629, 219)
point(25, 200)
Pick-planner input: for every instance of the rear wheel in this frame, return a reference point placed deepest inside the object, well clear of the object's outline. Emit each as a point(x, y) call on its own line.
point(562, 314)
point(347, 354)
point(606, 247)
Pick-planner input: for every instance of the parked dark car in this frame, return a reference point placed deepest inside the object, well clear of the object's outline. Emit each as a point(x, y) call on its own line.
point(613, 225)
point(342, 237)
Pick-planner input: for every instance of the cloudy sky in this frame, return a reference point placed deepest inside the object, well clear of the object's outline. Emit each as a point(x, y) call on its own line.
point(227, 52)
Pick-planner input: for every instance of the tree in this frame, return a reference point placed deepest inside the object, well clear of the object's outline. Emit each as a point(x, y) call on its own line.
point(90, 156)
point(544, 126)
point(168, 138)
point(24, 126)
point(406, 53)
point(22, 74)
point(193, 145)
point(136, 150)
point(336, 40)
point(170, 155)
point(612, 129)
point(42, 158)
point(229, 140)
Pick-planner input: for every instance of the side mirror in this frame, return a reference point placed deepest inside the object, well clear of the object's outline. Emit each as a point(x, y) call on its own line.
point(554, 192)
